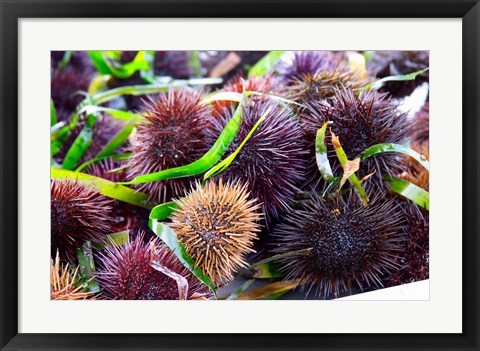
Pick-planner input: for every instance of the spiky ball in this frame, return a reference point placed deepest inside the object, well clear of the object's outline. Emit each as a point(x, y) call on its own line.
point(272, 160)
point(78, 214)
point(174, 135)
point(321, 85)
point(415, 258)
point(306, 63)
point(217, 225)
point(359, 121)
point(344, 243)
point(128, 272)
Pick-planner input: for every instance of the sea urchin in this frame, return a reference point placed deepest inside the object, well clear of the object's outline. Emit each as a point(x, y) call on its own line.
point(359, 121)
point(128, 272)
point(272, 160)
point(173, 135)
point(217, 225)
point(348, 243)
point(78, 214)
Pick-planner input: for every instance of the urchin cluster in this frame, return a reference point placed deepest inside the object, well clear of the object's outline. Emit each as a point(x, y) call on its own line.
point(359, 121)
point(272, 161)
point(415, 258)
point(128, 272)
point(349, 244)
point(306, 63)
point(78, 214)
point(320, 85)
point(217, 225)
point(173, 135)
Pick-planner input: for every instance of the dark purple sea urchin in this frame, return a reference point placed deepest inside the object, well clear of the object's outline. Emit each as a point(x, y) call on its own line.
point(415, 258)
point(78, 214)
point(359, 121)
point(127, 273)
point(350, 244)
point(174, 135)
point(272, 161)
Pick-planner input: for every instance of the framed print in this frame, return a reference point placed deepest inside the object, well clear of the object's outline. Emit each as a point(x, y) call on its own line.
point(301, 176)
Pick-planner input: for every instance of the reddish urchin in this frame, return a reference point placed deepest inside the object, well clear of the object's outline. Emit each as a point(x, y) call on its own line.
point(306, 63)
point(315, 87)
point(359, 121)
point(141, 270)
point(78, 214)
point(217, 225)
point(261, 84)
point(415, 259)
point(173, 136)
point(349, 244)
point(272, 160)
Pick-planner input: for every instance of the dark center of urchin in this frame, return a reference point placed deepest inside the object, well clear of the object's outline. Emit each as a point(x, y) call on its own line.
point(209, 225)
point(171, 143)
point(340, 245)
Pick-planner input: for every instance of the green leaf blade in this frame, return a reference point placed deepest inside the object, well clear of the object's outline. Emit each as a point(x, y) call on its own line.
point(409, 190)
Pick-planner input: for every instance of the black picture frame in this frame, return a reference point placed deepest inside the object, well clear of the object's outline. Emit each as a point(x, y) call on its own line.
point(11, 11)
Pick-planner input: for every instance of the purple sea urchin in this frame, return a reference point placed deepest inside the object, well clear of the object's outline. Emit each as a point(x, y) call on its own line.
point(173, 135)
point(127, 273)
point(360, 121)
point(217, 225)
point(306, 63)
point(349, 244)
point(272, 160)
point(415, 258)
point(78, 214)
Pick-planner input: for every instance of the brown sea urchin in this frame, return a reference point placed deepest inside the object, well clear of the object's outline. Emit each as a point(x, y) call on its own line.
point(349, 244)
point(217, 225)
point(315, 87)
point(272, 160)
point(78, 214)
point(128, 272)
point(63, 282)
point(173, 135)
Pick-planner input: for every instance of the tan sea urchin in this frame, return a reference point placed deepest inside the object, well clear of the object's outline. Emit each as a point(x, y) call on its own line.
point(217, 225)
